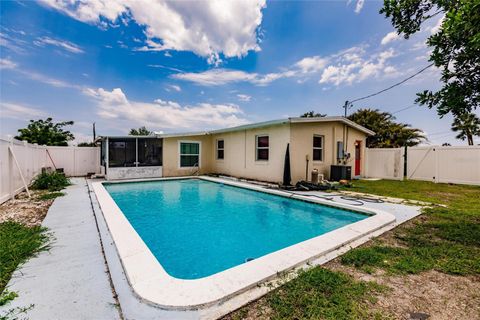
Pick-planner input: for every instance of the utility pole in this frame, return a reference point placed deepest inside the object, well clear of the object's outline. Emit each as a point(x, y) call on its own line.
point(346, 107)
point(94, 133)
point(344, 143)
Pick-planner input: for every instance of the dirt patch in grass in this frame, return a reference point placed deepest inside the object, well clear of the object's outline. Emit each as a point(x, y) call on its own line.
point(27, 211)
point(440, 295)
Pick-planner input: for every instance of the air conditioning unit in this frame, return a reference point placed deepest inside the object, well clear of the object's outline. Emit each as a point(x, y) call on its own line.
point(339, 172)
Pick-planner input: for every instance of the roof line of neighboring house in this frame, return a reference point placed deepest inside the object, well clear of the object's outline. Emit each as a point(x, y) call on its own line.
point(262, 124)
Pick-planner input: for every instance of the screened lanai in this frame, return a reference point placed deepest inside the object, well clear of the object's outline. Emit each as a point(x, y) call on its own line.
point(131, 157)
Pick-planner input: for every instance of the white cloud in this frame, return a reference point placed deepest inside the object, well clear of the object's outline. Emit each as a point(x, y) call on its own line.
point(66, 45)
point(356, 65)
point(438, 25)
point(174, 87)
point(7, 64)
point(347, 66)
point(164, 67)
point(12, 43)
point(162, 114)
point(217, 77)
point(17, 111)
point(244, 97)
point(205, 28)
point(80, 137)
point(359, 6)
point(389, 37)
point(311, 64)
point(48, 80)
point(421, 45)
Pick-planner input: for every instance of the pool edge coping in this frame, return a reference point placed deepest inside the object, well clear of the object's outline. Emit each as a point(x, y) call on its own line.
point(153, 285)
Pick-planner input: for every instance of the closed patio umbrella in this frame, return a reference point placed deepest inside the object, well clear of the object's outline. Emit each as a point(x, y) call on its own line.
point(287, 176)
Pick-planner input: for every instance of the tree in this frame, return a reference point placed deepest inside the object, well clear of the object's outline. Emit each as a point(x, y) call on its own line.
point(86, 144)
point(467, 125)
point(142, 131)
point(446, 144)
point(456, 49)
point(388, 133)
point(312, 114)
point(46, 132)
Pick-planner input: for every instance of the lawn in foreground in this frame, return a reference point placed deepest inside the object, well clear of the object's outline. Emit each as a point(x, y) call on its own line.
point(318, 293)
point(446, 239)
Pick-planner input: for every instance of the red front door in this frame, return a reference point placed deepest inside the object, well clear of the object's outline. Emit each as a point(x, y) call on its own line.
point(358, 148)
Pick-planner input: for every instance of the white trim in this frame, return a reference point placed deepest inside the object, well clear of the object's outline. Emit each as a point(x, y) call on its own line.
point(199, 154)
point(263, 148)
point(334, 119)
point(154, 285)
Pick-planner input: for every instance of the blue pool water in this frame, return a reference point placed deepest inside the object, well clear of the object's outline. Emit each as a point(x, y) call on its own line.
point(196, 228)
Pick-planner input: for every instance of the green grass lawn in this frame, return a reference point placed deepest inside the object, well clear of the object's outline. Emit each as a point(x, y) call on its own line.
point(323, 294)
point(445, 239)
point(17, 244)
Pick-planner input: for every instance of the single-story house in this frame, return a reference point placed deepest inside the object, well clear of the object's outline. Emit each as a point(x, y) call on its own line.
point(253, 151)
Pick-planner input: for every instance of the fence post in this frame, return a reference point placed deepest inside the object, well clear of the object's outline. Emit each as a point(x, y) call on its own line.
point(366, 163)
point(11, 186)
point(74, 162)
point(405, 163)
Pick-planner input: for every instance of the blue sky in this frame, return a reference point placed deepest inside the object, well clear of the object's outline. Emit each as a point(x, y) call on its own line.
point(187, 66)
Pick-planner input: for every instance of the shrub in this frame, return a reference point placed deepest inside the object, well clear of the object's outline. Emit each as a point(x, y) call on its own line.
point(52, 181)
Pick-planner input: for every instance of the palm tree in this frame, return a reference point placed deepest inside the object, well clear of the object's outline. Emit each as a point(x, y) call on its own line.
point(467, 125)
point(388, 133)
point(404, 135)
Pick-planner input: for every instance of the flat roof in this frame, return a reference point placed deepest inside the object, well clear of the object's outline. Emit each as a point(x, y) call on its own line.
point(258, 125)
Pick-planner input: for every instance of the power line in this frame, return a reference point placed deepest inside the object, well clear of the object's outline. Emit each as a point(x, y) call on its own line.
point(392, 86)
point(403, 109)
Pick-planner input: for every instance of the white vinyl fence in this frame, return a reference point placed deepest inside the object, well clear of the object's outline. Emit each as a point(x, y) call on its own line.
point(433, 163)
point(384, 163)
point(21, 161)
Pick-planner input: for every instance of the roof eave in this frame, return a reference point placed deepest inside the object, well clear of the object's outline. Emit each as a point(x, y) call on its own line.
point(333, 119)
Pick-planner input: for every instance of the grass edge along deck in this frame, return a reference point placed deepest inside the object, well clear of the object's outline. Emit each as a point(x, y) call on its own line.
point(152, 284)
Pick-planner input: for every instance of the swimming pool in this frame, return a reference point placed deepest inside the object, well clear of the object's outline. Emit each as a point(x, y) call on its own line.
point(202, 243)
point(196, 228)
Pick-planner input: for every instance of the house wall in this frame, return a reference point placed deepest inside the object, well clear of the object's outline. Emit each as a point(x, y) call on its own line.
point(171, 161)
point(240, 154)
point(302, 145)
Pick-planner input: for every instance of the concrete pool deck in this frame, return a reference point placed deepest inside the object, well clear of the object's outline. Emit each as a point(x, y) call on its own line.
point(82, 291)
point(69, 281)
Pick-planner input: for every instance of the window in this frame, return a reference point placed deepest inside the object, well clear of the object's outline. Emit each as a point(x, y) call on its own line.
point(317, 148)
point(189, 154)
point(262, 146)
point(220, 149)
point(149, 152)
point(122, 152)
